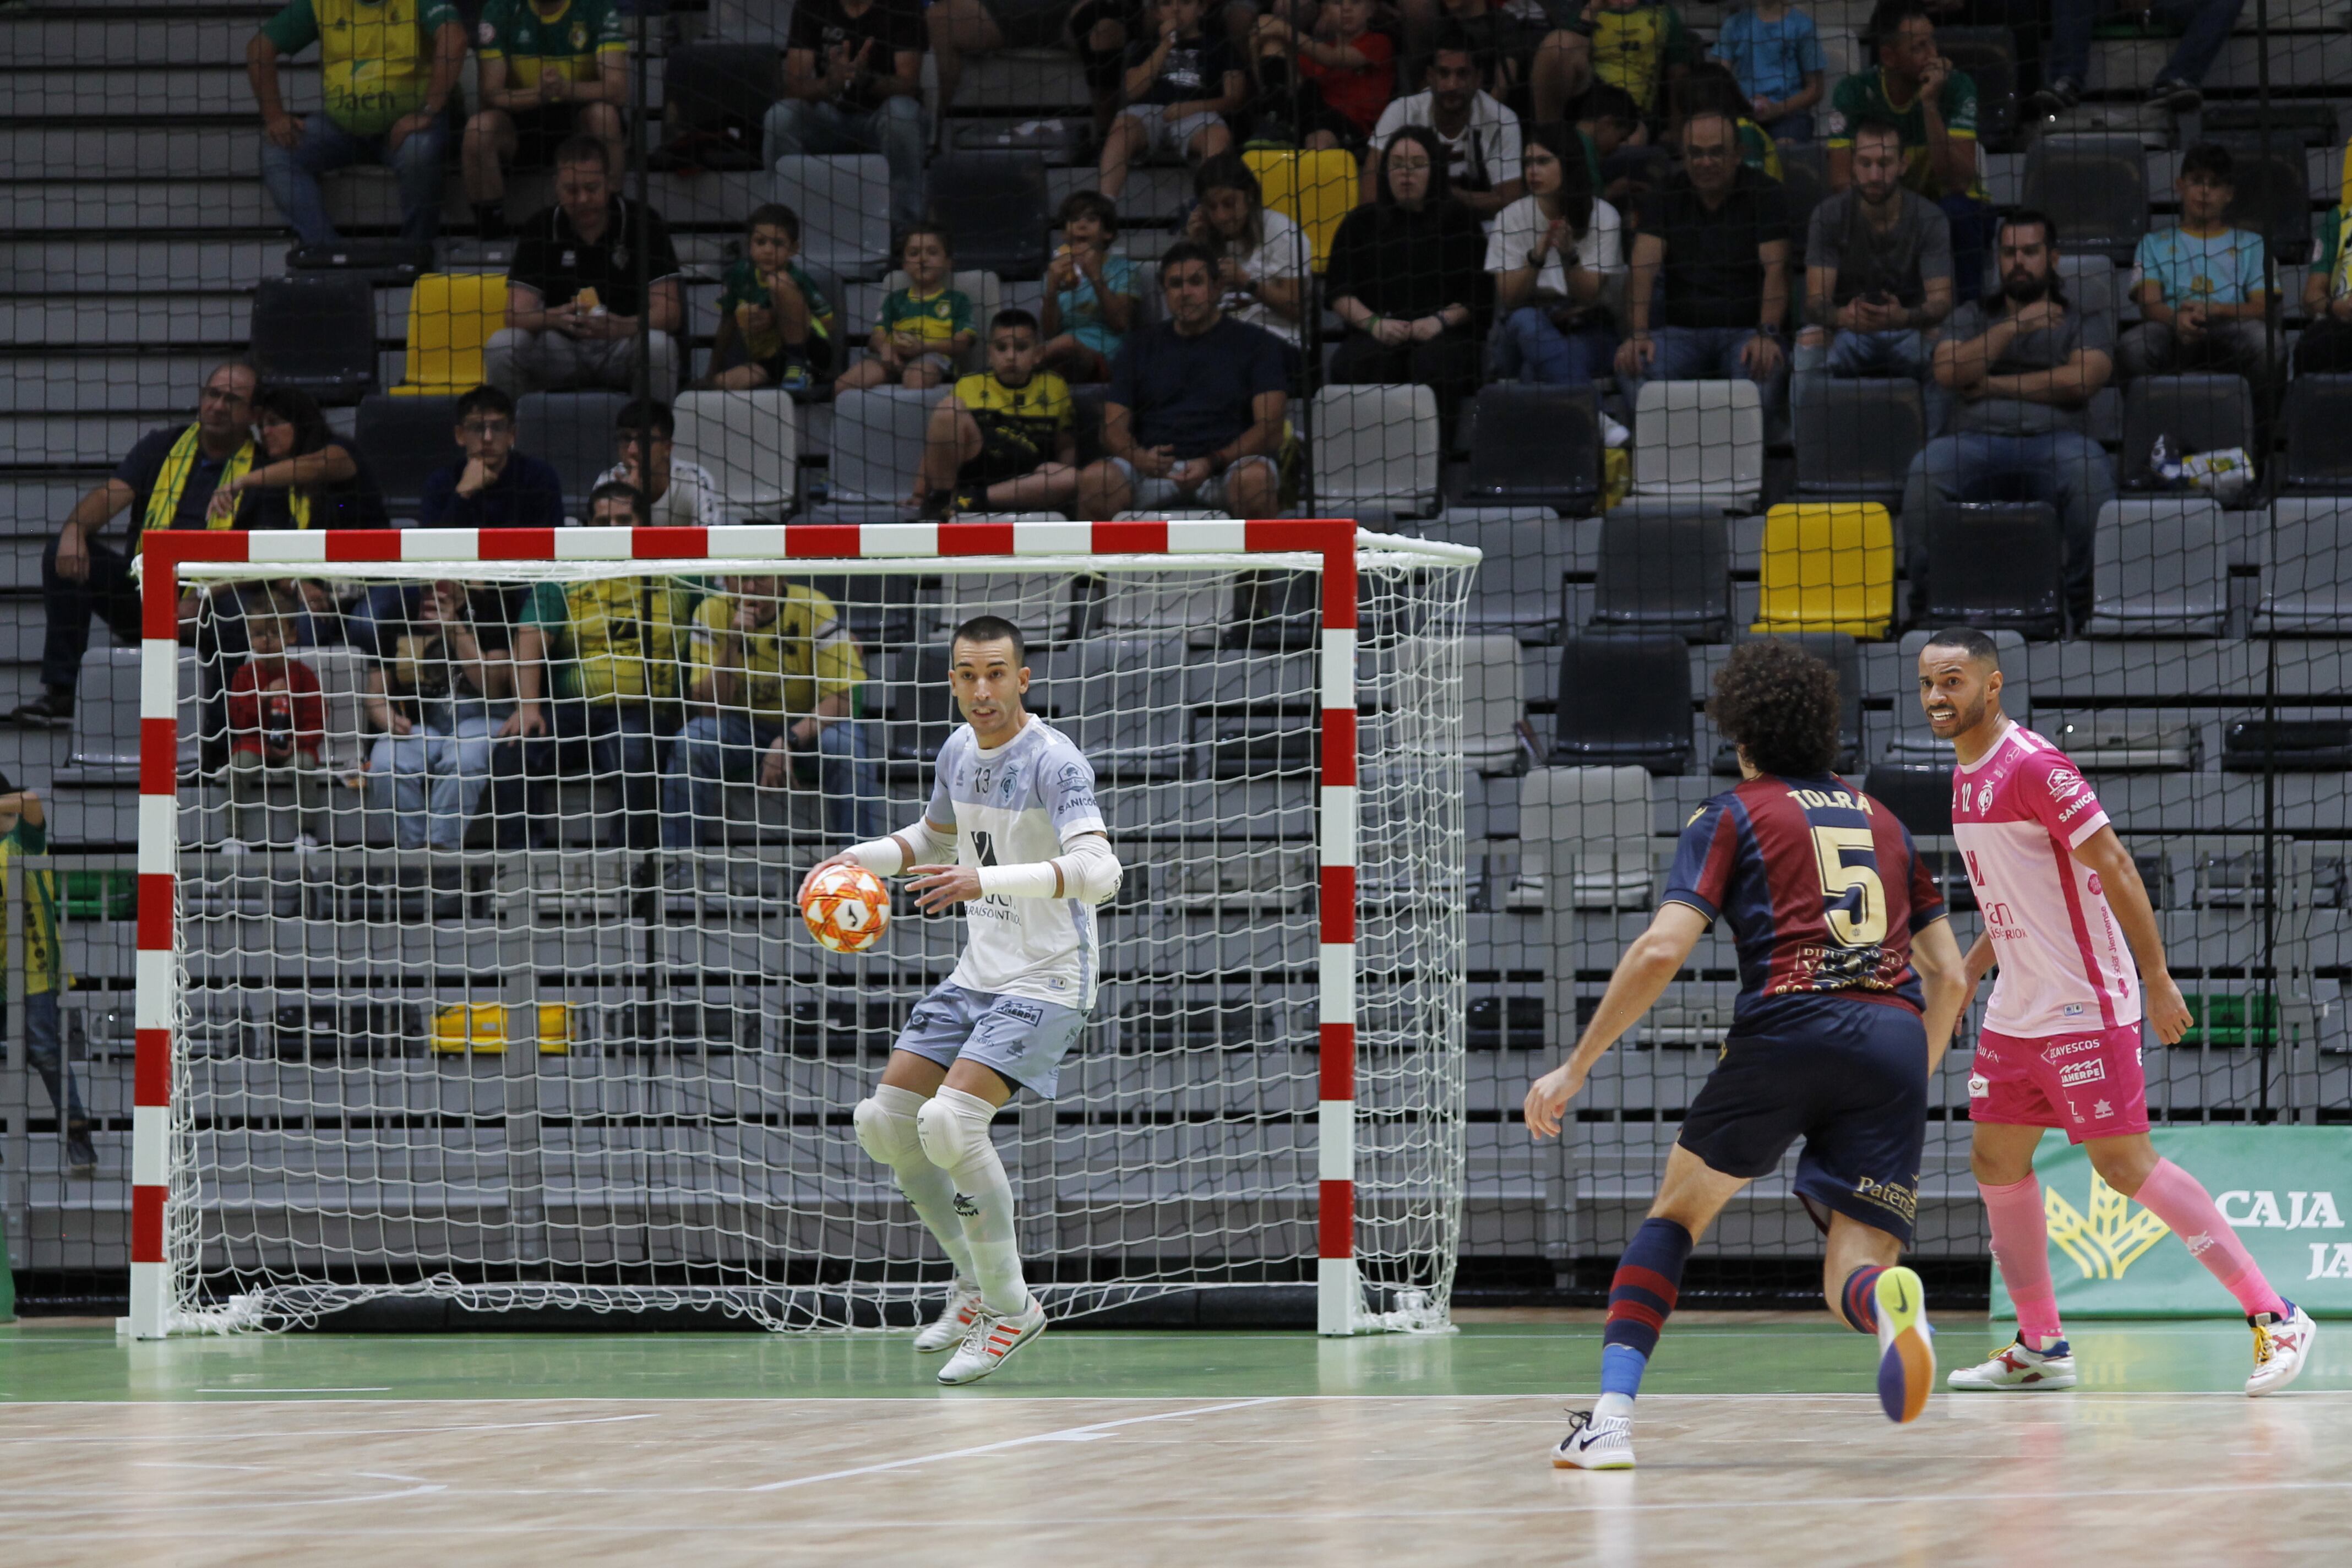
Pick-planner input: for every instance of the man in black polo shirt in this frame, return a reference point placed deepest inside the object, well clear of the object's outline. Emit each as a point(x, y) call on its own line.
point(1195, 411)
point(1714, 245)
point(167, 481)
point(583, 269)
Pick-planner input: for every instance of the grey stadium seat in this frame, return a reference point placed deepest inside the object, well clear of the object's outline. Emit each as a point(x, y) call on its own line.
point(1857, 442)
point(1524, 555)
point(572, 431)
point(2307, 578)
point(994, 205)
point(1534, 446)
point(877, 444)
point(405, 441)
point(1665, 574)
point(1995, 563)
point(2193, 413)
point(1594, 824)
point(1623, 699)
point(2096, 186)
point(315, 333)
point(1376, 451)
point(2158, 569)
point(2318, 413)
point(844, 205)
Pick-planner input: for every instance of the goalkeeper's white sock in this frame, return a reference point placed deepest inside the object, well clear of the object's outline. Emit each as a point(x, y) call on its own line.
point(887, 1133)
point(954, 1128)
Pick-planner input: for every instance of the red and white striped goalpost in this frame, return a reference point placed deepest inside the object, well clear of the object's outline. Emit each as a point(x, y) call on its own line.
point(1339, 1308)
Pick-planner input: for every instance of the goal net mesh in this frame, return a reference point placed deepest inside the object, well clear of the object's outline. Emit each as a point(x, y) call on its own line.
point(510, 1005)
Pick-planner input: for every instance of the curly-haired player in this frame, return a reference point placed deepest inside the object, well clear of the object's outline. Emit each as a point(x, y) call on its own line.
point(1849, 984)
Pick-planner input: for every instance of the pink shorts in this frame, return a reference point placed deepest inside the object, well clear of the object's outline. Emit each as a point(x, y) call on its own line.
point(2091, 1085)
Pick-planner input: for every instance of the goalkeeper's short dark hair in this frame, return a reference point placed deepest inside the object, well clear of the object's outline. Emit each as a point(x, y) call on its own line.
point(991, 628)
point(1778, 704)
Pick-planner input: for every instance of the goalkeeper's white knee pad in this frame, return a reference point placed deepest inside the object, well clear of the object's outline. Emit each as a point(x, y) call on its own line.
point(887, 1133)
point(954, 1128)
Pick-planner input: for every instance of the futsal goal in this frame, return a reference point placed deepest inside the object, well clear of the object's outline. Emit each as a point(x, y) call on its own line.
point(437, 1004)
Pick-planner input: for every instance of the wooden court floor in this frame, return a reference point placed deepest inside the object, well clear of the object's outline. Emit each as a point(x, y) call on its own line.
point(1758, 1442)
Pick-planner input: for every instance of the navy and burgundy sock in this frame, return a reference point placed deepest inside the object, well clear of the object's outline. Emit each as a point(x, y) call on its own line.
point(1649, 1276)
point(1859, 1299)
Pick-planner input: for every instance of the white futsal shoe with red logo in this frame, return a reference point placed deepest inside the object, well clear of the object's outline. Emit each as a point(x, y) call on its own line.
point(2017, 1369)
point(2281, 1346)
point(990, 1341)
point(962, 1311)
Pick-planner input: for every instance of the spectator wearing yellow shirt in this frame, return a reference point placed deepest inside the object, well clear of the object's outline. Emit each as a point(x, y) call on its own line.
point(1003, 440)
point(549, 72)
point(22, 832)
point(926, 327)
point(773, 679)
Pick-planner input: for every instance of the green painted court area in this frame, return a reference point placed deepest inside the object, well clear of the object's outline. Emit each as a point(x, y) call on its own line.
point(40, 1362)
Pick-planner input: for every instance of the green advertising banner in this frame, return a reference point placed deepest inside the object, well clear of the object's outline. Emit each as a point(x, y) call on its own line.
point(2285, 1189)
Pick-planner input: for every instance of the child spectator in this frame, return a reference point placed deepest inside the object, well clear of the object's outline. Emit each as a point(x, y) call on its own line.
point(1178, 87)
point(1773, 50)
point(1637, 45)
point(1406, 274)
point(548, 73)
point(678, 494)
point(1261, 255)
point(926, 327)
point(1090, 298)
point(276, 728)
point(2201, 287)
point(1003, 440)
point(430, 695)
point(1617, 149)
point(781, 318)
point(23, 832)
point(494, 485)
point(1553, 254)
point(2325, 346)
point(1346, 68)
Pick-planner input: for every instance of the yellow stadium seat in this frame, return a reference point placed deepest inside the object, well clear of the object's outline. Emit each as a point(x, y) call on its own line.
point(1314, 190)
point(1829, 566)
point(451, 316)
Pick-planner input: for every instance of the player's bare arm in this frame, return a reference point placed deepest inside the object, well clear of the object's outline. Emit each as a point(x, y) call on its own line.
point(2166, 1009)
point(1642, 977)
point(1944, 985)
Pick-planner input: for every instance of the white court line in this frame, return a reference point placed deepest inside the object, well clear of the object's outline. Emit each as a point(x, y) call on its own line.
point(231, 1437)
point(385, 1389)
point(1066, 1435)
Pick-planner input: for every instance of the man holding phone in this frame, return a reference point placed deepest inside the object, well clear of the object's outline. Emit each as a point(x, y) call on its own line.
point(1878, 278)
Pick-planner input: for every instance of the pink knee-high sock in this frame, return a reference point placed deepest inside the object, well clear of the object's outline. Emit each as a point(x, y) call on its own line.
point(2020, 1245)
point(2181, 1201)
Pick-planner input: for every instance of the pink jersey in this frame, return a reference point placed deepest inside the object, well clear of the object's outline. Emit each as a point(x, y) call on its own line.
point(2018, 814)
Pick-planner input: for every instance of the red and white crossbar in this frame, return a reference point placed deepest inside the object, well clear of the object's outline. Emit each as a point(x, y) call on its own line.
point(1338, 1309)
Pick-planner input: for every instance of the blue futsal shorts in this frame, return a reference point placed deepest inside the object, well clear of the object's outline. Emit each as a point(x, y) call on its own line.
point(1019, 1038)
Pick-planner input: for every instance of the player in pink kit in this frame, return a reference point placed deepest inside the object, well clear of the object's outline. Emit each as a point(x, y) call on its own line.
point(2064, 913)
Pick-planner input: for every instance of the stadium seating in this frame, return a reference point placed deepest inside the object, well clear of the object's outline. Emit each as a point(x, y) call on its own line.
point(1827, 567)
point(1995, 563)
point(315, 333)
point(1670, 573)
point(1375, 451)
point(2096, 186)
point(2318, 458)
point(1857, 441)
point(2307, 577)
point(571, 432)
point(750, 443)
point(844, 209)
point(994, 205)
point(451, 316)
point(2158, 569)
point(878, 445)
point(2269, 194)
point(1314, 190)
point(1524, 555)
point(2193, 413)
point(1593, 824)
point(1699, 440)
point(1623, 699)
point(1494, 697)
point(405, 441)
point(1989, 57)
point(715, 97)
point(1533, 445)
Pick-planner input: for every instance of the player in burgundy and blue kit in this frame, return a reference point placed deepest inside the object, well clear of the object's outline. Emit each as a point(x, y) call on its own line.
point(1849, 984)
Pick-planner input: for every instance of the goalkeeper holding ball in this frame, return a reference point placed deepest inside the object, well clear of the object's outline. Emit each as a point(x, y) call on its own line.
point(1017, 800)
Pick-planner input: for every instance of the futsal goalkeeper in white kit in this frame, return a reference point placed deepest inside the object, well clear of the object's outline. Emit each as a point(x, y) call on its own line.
point(1016, 800)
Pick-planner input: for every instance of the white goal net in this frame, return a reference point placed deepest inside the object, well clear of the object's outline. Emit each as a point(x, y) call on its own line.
point(487, 987)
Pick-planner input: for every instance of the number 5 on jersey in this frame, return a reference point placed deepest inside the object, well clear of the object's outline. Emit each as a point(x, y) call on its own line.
point(1864, 926)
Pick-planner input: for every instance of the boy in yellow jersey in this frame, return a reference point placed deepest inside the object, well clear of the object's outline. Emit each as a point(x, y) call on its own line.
point(387, 69)
point(771, 678)
point(1003, 440)
point(926, 327)
point(1633, 45)
point(22, 832)
point(550, 69)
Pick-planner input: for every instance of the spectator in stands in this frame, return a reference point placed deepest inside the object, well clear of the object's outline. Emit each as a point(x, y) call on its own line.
point(304, 476)
point(772, 680)
point(1714, 246)
point(1178, 87)
point(583, 271)
point(1935, 106)
point(1711, 88)
point(2202, 286)
point(386, 88)
point(854, 83)
point(1878, 276)
point(1478, 137)
point(1408, 275)
point(436, 696)
point(1552, 255)
point(1195, 413)
point(2023, 367)
point(1617, 149)
point(548, 73)
point(783, 321)
point(1773, 50)
point(1261, 257)
point(1004, 440)
point(277, 732)
point(2205, 24)
point(1090, 300)
point(166, 480)
point(492, 485)
point(1635, 44)
point(2325, 346)
point(678, 495)
point(595, 666)
point(1324, 86)
point(23, 832)
point(926, 327)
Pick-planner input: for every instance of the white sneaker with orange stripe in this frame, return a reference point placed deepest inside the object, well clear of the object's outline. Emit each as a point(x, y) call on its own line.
point(992, 1339)
point(962, 1311)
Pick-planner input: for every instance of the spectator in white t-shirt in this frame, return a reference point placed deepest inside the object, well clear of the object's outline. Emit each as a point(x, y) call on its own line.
point(1262, 257)
point(678, 495)
point(1480, 136)
point(1553, 253)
